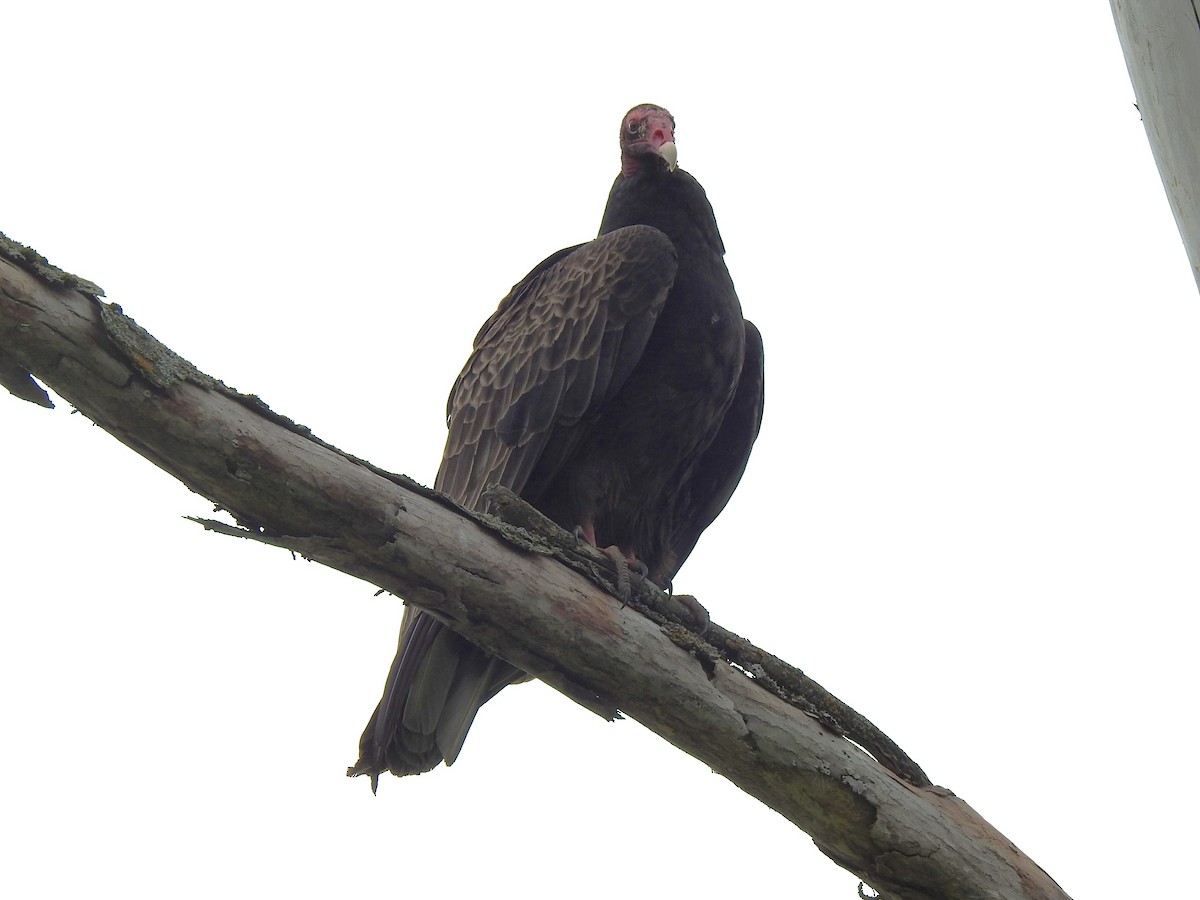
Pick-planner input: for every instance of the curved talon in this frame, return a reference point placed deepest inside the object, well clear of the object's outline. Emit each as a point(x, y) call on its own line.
point(621, 564)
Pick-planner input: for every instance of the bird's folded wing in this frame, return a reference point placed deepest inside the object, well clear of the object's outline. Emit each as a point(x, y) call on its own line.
point(719, 470)
point(563, 341)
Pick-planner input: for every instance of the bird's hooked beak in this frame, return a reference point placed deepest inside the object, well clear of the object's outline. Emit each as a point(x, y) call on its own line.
point(669, 153)
point(660, 136)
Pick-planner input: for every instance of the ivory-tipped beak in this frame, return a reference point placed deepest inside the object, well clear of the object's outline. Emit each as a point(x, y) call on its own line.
point(670, 154)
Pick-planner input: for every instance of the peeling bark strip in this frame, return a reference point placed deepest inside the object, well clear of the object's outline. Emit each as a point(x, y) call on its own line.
point(907, 839)
point(714, 642)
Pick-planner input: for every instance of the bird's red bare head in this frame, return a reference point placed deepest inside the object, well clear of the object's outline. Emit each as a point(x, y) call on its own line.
point(647, 137)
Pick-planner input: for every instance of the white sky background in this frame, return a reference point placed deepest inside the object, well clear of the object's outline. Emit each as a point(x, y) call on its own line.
point(972, 512)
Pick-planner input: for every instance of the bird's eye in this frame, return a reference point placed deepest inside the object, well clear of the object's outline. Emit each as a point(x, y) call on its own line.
point(636, 128)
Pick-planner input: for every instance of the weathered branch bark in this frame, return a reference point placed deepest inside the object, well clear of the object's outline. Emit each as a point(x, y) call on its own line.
point(905, 838)
point(1161, 41)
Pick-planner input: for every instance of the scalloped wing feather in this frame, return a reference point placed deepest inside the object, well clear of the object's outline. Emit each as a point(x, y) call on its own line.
point(563, 341)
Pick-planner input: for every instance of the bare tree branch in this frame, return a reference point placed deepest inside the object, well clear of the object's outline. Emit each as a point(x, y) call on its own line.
point(503, 586)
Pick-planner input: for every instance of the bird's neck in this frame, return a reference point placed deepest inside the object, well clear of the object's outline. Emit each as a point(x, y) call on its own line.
point(672, 202)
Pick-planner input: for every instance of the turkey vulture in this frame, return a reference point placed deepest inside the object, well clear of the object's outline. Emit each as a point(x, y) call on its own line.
point(618, 389)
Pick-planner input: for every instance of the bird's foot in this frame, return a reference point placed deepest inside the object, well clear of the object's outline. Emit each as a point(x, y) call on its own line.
point(624, 564)
point(621, 564)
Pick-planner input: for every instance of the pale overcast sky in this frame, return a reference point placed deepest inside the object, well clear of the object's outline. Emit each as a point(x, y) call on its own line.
point(972, 512)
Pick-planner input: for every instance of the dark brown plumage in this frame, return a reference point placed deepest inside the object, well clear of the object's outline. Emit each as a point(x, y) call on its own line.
point(618, 389)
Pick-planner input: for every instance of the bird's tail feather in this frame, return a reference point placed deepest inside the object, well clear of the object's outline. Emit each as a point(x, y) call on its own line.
point(436, 685)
